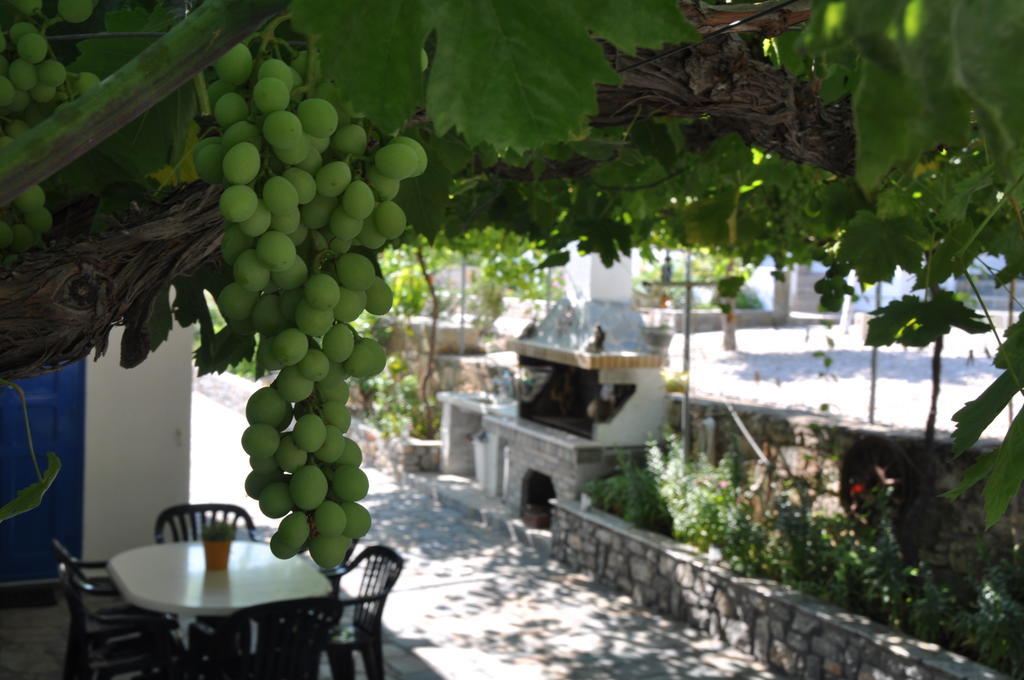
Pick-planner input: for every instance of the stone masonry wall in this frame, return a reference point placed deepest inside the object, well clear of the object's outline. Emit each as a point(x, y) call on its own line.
point(798, 635)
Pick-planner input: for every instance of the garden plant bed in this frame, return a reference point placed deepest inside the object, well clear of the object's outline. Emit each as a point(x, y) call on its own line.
point(800, 635)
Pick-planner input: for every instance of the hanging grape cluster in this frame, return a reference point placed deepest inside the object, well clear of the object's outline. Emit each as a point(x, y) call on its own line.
point(305, 209)
point(33, 83)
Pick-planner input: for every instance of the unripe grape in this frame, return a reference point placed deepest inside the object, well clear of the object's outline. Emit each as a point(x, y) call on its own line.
point(291, 385)
point(350, 139)
point(286, 224)
point(351, 304)
point(74, 11)
point(32, 47)
point(22, 75)
point(293, 277)
point(350, 483)
point(242, 131)
point(43, 93)
point(258, 223)
point(288, 456)
point(340, 246)
point(209, 161)
point(338, 343)
point(31, 199)
point(421, 154)
point(266, 406)
point(385, 187)
point(321, 291)
point(275, 68)
point(312, 161)
point(328, 551)
point(314, 365)
point(233, 244)
point(312, 321)
point(321, 144)
point(21, 28)
point(289, 346)
point(256, 482)
point(337, 414)
point(235, 65)
point(317, 213)
point(357, 200)
point(309, 433)
point(263, 465)
point(266, 316)
point(235, 302)
point(318, 117)
point(281, 549)
point(230, 109)
point(357, 520)
point(330, 519)
point(280, 196)
point(282, 129)
point(352, 455)
point(294, 529)
point(355, 271)
point(333, 178)
point(333, 387)
point(332, 447)
point(294, 155)
point(389, 219)
point(276, 251)
point(250, 272)
point(308, 487)
point(271, 94)
point(276, 501)
point(6, 91)
point(396, 161)
point(241, 163)
point(368, 358)
point(379, 297)
point(344, 226)
point(51, 72)
point(6, 235)
point(23, 238)
point(86, 81)
point(238, 203)
point(305, 185)
point(300, 61)
point(260, 440)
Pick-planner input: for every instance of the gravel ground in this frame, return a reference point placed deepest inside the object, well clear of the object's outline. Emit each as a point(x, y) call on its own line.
point(779, 367)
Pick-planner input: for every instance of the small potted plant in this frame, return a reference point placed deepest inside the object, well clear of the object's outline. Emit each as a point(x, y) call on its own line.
point(217, 544)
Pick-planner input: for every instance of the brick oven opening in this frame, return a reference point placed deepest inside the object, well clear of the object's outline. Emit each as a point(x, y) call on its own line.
point(536, 505)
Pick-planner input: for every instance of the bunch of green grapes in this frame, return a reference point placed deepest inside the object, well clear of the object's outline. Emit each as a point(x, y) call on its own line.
point(305, 208)
point(32, 84)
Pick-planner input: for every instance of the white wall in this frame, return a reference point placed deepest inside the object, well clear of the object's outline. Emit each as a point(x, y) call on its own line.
point(136, 443)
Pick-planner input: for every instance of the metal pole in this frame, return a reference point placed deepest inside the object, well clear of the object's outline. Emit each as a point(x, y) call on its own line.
point(685, 415)
point(874, 361)
point(462, 306)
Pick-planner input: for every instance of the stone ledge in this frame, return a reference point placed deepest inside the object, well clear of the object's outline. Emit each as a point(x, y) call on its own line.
point(777, 624)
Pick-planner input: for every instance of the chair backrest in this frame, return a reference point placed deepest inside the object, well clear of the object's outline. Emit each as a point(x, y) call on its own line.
point(381, 567)
point(185, 522)
point(274, 641)
point(74, 567)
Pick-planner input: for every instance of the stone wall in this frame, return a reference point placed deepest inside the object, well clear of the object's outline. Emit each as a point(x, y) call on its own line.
point(811, 446)
point(798, 635)
point(395, 456)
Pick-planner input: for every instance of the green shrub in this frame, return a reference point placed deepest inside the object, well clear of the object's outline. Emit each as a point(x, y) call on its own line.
point(994, 629)
point(633, 495)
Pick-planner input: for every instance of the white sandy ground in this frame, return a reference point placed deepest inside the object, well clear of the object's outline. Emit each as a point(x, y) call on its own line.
point(778, 367)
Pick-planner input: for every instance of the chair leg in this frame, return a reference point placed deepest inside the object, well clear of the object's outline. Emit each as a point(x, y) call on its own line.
point(342, 665)
point(373, 660)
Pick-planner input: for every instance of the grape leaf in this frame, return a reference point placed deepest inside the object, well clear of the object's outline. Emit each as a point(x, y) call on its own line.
point(32, 495)
point(559, 259)
point(424, 199)
point(916, 322)
point(372, 49)
point(629, 25)
point(516, 73)
point(974, 474)
point(1007, 473)
point(876, 247)
point(975, 416)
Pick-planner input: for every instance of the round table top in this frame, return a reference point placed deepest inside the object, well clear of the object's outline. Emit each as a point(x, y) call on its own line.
point(172, 578)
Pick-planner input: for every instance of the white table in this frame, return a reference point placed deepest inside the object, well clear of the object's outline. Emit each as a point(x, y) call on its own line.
point(172, 578)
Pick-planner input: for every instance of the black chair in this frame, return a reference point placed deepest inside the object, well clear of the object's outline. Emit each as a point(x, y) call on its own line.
point(381, 570)
point(275, 641)
point(105, 645)
point(185, 522)
point(97, 584)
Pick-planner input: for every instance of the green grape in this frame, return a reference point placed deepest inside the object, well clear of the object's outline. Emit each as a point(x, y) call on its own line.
point(343, 226)
point(350, 483)
point(271, 94)
point(291, 278)
point(337, 414)
point(300, 61)
point(217, 90)
point(305, 185)
point(312, 321)
point(355, 271)
point(330, 519)
point(294, 155)
point(424, 60)
point(28, 6)
point(314, 365)
point(235, 65)
point(280, 196)
point(288, 456)
point(332, 447)
point(321, 291)
point(351, 304)
point(396, 161)
point(265, 355)
point(357, 200)
point(291, 385)
point(22, 75)
point(286, 224)
point(43, 93)
point(256, 482)
point(17, 127)
point(241, 163)
point(351, 455)
point(275, 68)
point(23, 238)
point(21, 28)
point(230, 109)
point(328, 551)
point(238, 203)
point(266, 316)
point(389, 219)
point(350, 139)
point(6, 91)
point(294, 529)
point(275, 500)
point(283, 130)
point(267, 407)
point(289, 346)
point(51, 72)
point(32, 47)
point(263, 465)
point(367, 359)
point(317, 213)
point(86, 81)
point(309, 432)
point(321, 144)
point(233, 243)
point(33, 198)
point(379, 297)
point(74, 11)
point(333, 387)
point(308, 487)
point(260, 440)
point(357, 520)
point(235, 302)
point(258, 223)
point(242, 131)
point(338, 343)
point(333, 178)
point(281, 549)
point(299, 236)
point(21, 101)
point(340, 246)
point(318, 117)
point(209, 160)
point(312, 161)
point(275, 250)
point(6, 235)
point(385, 187)
point(249, 272)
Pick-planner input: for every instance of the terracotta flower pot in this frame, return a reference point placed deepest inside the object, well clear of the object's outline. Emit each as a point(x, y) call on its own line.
point(217, 554)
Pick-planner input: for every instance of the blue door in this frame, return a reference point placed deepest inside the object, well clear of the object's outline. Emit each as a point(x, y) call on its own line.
point(56, 415)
